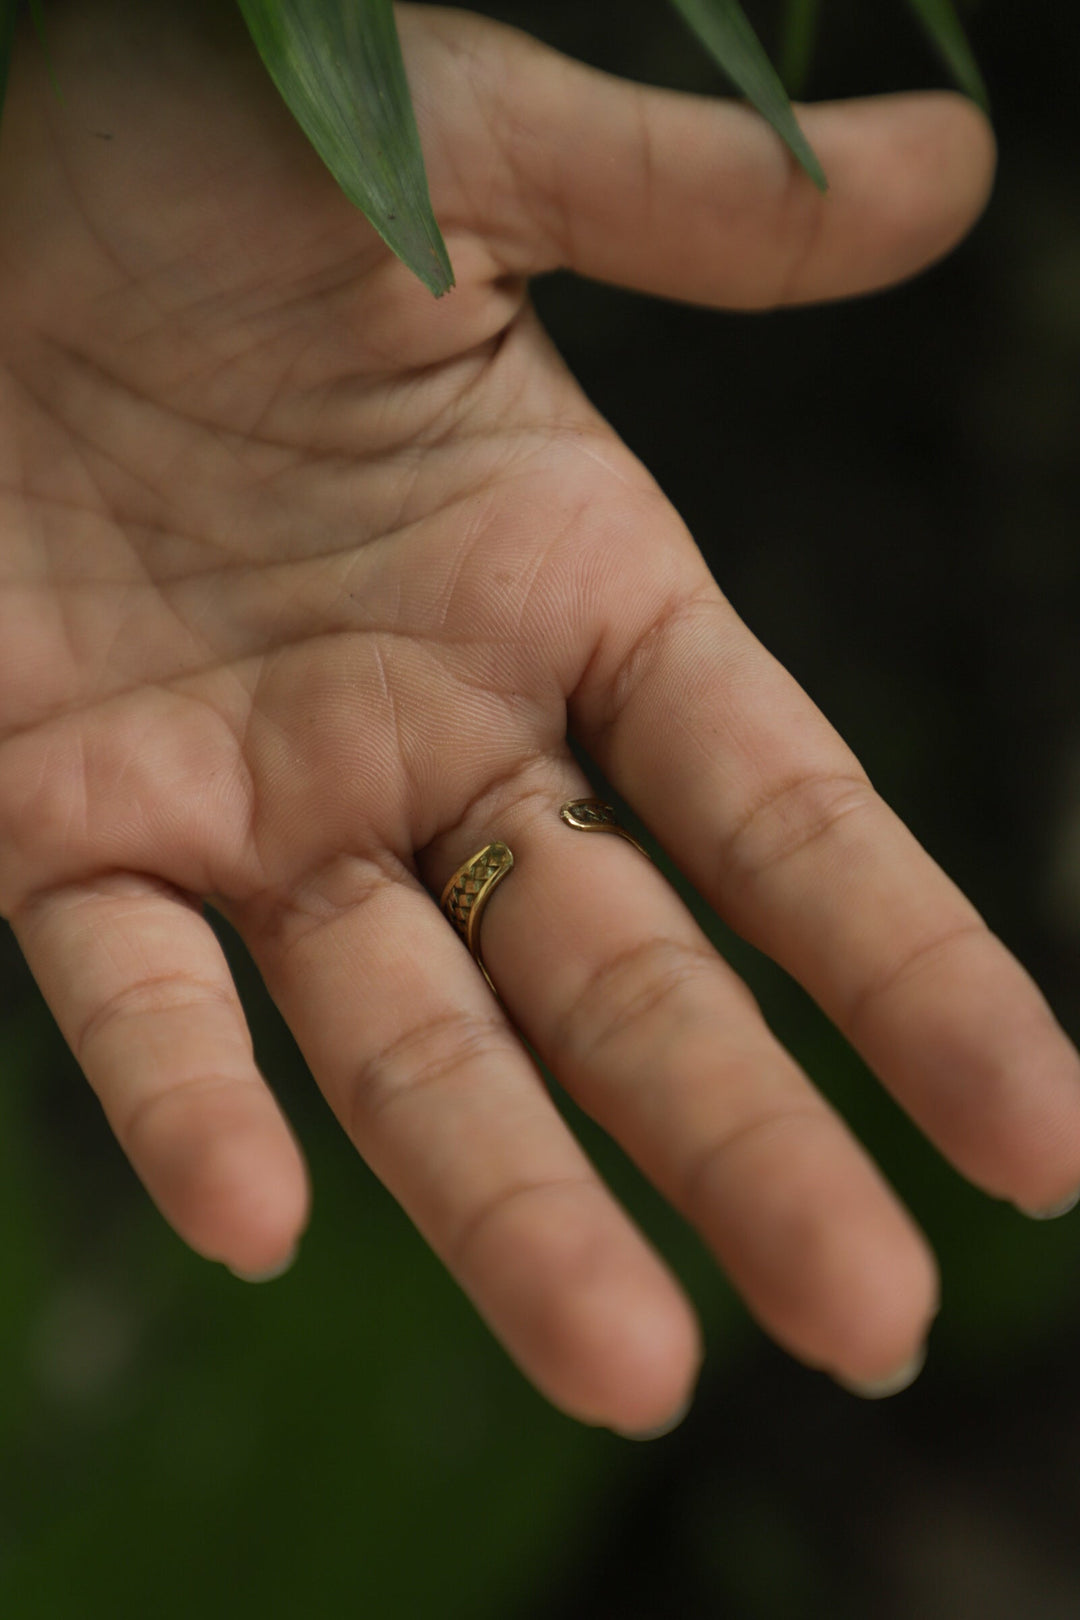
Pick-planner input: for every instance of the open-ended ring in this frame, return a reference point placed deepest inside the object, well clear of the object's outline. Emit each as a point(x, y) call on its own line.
point(467, 893)
point(593, 815)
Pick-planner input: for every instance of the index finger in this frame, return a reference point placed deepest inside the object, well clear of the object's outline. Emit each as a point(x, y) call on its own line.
point(771, 816)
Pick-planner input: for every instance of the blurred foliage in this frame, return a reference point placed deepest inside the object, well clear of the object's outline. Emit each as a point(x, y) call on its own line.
point(338, 65)
point(944, 30)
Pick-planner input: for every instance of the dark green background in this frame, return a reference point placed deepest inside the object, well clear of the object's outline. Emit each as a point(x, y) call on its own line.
point(889, 492)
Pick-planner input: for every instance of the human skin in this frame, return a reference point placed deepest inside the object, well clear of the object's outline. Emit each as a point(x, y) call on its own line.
point(305, 577)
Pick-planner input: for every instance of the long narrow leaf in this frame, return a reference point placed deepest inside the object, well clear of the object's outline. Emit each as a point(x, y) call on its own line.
point(940, 21)
point(338, 64)
point(8, 12)
point(724, 30)
point(797, 41)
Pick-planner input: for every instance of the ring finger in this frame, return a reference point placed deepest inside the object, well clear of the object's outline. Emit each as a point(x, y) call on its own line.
point(609, 978)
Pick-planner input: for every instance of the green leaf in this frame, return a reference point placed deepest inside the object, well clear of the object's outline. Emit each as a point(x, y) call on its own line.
point(9, 10)
point(338, 64)
point(798, 38)
point(724, 30)
point(946, 32)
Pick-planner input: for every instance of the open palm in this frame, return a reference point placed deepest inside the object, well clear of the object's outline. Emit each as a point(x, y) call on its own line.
point(304, 579)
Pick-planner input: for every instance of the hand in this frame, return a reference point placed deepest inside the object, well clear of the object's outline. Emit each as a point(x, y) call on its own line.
point(304, 578)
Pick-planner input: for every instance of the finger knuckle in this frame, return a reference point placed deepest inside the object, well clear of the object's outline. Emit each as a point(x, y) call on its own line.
point(638, 990)
point(189, 1110)
point(528, 1201)
point(914, 961)
point(764, 1133)
point(151, 997)
point(606, 694)
point(445, 1049)
point(793, 816)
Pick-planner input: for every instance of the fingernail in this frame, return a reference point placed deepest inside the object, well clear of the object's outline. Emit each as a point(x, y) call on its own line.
point(878, 1389)
point(1054, 1211)
point(661, 1428)
point(269, 1275)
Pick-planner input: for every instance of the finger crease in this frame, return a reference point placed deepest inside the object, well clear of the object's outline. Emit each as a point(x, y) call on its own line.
point(676, 967)
point(761, 1127)
point(175, 1091)
point(635, 661)
point(162, 994)
point(915, 961)
point(457, 1252)
point(458, 1040)
point(311, 907)
point(498, 797)
point(829, 800)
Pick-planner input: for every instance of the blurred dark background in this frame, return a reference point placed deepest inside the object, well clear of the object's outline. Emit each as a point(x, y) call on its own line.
point(889, 491)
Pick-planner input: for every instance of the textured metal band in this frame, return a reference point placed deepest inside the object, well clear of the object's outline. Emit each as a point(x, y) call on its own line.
point(593, 815)
point(472, 885)
point(468, 892)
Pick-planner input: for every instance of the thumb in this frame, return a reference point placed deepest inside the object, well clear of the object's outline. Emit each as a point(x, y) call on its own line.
point(560, 166)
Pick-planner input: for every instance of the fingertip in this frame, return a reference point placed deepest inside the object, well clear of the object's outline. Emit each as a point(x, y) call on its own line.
point(880, 1344)
point(624, 1354)
point(950, 158)
point(894, 1383)
point(271, 1273)
point(237, 1191)
point(261, 1217)
point(651, 1363)
point(1053, 1211)
point(827, 1258)
point(589, 1312)
point(660, 1430)
point(255, 1201)
point(909, 175)
point(961, 147)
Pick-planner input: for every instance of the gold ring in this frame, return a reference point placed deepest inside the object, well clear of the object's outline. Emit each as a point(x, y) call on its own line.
point(468, 892)
point(472, 885)
point(593, 815)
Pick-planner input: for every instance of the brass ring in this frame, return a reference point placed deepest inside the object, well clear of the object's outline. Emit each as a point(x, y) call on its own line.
point(468, 892)
point(593, 815)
